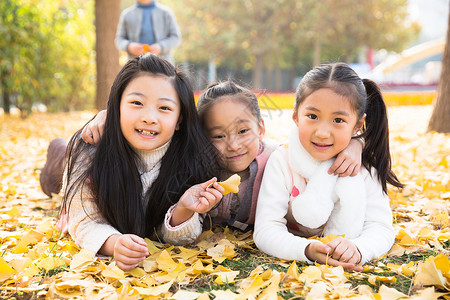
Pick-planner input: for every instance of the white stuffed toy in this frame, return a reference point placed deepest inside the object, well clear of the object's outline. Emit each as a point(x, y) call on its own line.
point(338, 202)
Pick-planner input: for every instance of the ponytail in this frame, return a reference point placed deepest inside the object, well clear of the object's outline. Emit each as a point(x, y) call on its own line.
point(376, 137)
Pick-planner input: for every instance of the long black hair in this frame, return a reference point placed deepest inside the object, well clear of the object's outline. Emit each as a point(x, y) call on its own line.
point(113, 177)
point(366, 98)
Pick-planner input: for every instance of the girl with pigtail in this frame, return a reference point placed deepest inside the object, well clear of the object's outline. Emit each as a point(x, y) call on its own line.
point(230, 116)
point(298, 199)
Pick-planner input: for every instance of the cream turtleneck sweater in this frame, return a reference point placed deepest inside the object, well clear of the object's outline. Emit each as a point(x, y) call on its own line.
point(87, 226)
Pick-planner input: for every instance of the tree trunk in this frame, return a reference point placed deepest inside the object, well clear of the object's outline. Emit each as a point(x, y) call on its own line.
point(278, 79)
point(258, 72)
point(317, 52)
point(440, 118)
point(293, 70)
point(6, 102)
point(268, 83)
point(5, 94)
point(212, 72)
point(107, 14)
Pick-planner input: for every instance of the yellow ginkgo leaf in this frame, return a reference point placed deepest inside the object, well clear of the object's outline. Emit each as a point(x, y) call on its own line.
point(231, 185)
point(187, 295)
point(31, 271)
point(186, 253)
point(152, 249)
point(149, 265)
point(178, 274)
point(165, 262)
point(114, 273)
point(20, 263)
point(310, 274)
point(221, 252)
point(50, 263)
point(443, 162)
point(146, 48)
point(71, 287)
point(388, 279)
point(46, 226)
point(198, 268)
point(225, 277)
point(390, 293)
point(219, 294)
point(137, 272)
point(203, 296)
point(14, 212)
point(329, 238)
point(441, 220)
point(271, 292)
point(154, 291)
point(5, 270)
point(82, 259)
point(30, 237)
point(293, 270)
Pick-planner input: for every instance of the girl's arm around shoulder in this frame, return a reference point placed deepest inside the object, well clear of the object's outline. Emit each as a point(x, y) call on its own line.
point(378, 234)
point(271, 234)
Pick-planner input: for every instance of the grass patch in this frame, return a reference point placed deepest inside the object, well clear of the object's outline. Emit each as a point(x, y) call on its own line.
point(205, 283)
point(49, 273)
point(245, 261)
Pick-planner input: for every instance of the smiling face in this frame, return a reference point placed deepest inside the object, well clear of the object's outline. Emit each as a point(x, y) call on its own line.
point(149, 111)
point(326, 122)
point(235, 132)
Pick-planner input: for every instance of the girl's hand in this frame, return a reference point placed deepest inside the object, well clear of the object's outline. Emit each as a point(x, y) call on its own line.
point(155, 49)
point(93, 131)
point(199, 198)
point(348, 161)
point(129, 251)
point(62, 225)
point(344, 250)
point(136, 48)
point(321, 253)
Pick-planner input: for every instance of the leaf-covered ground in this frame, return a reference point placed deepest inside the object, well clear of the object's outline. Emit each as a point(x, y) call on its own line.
point(35, 262)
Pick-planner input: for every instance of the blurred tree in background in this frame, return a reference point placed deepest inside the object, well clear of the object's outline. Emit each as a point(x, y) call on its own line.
point(48, 47)
point(440, 118)
point(274, 34)
point(46, 54)
point(107, 13)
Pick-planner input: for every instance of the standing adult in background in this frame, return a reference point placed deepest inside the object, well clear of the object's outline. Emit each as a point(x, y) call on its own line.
point(148, 26)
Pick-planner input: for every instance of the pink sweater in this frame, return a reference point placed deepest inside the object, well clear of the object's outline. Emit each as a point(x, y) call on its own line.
point(190, 230)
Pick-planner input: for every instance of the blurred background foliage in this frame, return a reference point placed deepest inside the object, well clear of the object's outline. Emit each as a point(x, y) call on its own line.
point(265, 36)
point(47, 46)
point(46, 53)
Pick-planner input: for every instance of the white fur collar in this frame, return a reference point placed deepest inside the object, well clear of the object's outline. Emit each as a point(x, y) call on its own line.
point(338, 202)
point(299, 159)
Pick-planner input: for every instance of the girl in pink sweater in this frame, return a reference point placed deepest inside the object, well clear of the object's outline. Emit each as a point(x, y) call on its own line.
point(231, 118)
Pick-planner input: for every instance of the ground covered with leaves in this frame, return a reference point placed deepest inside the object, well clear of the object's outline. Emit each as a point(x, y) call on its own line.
point(36, 262)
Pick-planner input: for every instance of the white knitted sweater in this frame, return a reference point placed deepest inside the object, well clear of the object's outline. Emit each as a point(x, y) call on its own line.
point(90, 230)
point(273, 236)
